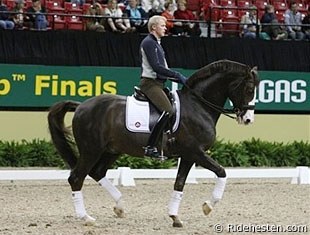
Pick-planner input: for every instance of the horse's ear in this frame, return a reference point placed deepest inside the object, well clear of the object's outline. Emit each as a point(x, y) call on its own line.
point(255, 74)
point(254, 69)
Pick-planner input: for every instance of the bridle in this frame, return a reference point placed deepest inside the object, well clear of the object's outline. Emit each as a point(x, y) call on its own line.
point(239, 112)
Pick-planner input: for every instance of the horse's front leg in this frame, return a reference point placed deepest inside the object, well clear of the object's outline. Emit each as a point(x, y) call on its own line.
point(177, 194)
point(209, 163)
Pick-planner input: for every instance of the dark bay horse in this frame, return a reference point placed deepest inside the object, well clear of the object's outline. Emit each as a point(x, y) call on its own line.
point(101, 137)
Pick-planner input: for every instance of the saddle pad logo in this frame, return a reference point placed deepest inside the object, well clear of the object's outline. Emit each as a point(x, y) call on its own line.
point(137, 124)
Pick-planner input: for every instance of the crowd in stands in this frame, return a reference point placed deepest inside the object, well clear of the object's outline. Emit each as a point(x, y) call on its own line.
point(264, 19)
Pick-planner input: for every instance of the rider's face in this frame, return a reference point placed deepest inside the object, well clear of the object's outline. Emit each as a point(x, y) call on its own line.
point(160, 28)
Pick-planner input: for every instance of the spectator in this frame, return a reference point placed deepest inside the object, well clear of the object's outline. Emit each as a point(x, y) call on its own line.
point(138, 17)
point(20, 16)
point(293, 20)
point(168, 14)
point(94, 23)
point(306, 29)
point(36, 16)
point(117, 24)
point(249, 24)
point(155, 7)
point(187, 27)
point(271, 25)
point(5, 21)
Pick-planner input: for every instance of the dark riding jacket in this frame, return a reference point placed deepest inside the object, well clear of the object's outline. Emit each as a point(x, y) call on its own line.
point(154, 64)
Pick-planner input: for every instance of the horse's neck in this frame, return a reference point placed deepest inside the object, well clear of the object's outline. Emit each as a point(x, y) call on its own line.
point(213, 90)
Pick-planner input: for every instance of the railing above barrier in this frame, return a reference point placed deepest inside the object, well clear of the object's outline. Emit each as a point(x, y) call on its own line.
point(125, 176)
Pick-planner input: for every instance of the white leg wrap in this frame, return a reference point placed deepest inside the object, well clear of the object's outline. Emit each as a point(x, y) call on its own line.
point(114, 192)
point(175, 201)
point(219, 188)
point(78, 202)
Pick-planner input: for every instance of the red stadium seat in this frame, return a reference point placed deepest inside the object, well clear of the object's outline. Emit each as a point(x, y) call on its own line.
point(10, 4)
point(243, 4)
point(261, 4)
point(228, 13)
point(280, 6)
point(72, 8)
point(229, 26)
point(85, 7)
point(54, 7)
point(280, 16)
point(74, 23)
point(302, 7)
point(28, 4)
point(210, 10)
point(272, 2)
point(57, 22)
point(227, 3)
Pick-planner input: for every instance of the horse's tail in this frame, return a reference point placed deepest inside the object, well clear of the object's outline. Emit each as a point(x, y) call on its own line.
point(61, 136)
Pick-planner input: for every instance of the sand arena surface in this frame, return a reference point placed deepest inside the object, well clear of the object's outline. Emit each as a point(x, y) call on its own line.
point(45, 207)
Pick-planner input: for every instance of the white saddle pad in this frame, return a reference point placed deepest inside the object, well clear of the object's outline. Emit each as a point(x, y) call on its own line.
point(138, 114)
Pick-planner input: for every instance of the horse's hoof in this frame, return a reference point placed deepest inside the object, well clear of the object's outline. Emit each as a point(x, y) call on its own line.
point(177, 223)
point(119, 212)
point(88, 220)
point(207, 207)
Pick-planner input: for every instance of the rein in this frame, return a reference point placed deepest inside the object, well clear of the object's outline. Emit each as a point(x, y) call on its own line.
point(211, 105)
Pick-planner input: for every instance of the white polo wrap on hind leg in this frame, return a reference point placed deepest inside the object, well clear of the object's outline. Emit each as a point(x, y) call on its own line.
point(78, 202)
point(114, 192)
point(175, 201)
point(219, 188)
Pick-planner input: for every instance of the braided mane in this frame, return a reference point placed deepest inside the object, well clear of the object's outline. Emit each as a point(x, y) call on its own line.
point(221, 66)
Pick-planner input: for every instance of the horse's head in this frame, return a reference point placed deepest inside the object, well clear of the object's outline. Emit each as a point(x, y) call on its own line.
point(242, 93)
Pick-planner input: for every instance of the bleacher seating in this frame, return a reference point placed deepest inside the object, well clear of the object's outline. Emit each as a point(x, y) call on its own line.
point(261, 4)
point(72, 8)
point(10, 4)
point(67, 15)
point(55, 6)
point(280, 6)
point(28, 4)
point(74, 23)
point(57, 22)
point(85, 7)
point(229, 26)
point(243, 4)
point(227, 3)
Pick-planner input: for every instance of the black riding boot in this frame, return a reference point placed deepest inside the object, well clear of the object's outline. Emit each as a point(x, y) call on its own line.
point(150, 149)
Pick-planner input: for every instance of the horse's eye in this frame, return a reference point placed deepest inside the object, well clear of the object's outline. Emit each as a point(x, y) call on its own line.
point(250, 91)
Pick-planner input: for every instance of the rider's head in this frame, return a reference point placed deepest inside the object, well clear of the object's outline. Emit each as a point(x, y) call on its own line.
point(157, 26)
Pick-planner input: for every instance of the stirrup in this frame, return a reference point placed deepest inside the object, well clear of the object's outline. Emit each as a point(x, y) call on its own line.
point(153, 153)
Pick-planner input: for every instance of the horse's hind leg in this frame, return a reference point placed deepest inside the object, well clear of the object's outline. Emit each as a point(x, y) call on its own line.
point(76, 180)
point(98, 173)
point(207, 162)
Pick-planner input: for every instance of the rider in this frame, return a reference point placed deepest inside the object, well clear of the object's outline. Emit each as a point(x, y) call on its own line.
point(154, 74)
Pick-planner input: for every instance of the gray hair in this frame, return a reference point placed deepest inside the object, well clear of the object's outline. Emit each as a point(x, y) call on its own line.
point(154, 20)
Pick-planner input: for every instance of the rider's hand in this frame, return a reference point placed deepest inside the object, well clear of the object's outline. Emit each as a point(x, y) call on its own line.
point(182, 79)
